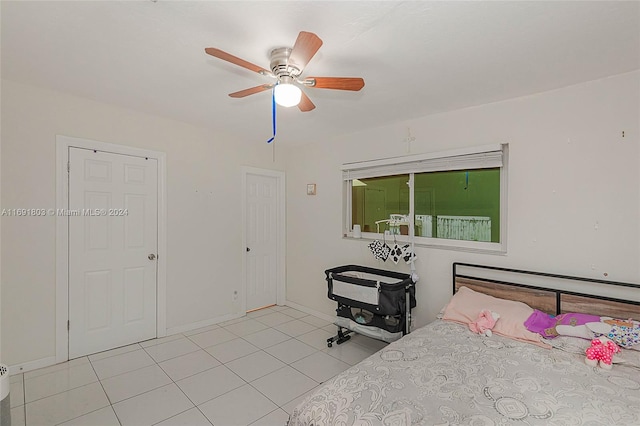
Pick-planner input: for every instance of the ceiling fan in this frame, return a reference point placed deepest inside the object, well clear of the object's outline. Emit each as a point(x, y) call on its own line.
point(287, 65)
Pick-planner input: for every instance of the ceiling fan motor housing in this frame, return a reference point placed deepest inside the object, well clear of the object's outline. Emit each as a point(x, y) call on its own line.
point(280, 65)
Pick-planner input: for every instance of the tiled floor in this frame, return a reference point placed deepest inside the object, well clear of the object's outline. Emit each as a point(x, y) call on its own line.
point(249, 371)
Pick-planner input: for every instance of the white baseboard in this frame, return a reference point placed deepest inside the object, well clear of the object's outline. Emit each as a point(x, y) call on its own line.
point(205, 323)
point(217, 320)
point(310, 311)
point(32, 365)
point(49, 361)
point(46, 362)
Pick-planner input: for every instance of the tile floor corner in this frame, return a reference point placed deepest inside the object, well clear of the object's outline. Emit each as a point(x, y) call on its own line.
point(249, 371)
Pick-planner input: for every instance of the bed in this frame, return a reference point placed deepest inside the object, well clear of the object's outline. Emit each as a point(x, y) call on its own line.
point(443, 374)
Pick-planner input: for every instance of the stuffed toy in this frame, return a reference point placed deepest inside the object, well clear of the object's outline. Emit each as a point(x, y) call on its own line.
point(485, 322)
point(623, 333)
point(601, 353)
point(550, 326)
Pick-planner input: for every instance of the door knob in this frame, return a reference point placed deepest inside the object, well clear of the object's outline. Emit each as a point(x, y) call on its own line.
point(151, 256)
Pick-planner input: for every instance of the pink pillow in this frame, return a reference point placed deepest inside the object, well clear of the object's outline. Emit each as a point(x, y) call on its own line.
point(466, 304)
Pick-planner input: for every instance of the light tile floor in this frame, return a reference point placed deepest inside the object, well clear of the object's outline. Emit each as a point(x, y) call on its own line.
point(249, 371)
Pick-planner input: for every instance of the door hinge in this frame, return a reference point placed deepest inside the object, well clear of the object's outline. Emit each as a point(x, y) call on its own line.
point(68, 325)
point(68, 166)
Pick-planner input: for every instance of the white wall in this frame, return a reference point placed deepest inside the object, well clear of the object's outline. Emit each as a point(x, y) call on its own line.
point(204, 201)
point(569, 169)
point(574, 193)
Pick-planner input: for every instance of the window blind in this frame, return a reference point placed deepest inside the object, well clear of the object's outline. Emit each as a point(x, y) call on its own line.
point(461, 159)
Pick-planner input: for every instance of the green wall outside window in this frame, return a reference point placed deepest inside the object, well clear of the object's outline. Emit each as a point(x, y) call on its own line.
point(450, 193)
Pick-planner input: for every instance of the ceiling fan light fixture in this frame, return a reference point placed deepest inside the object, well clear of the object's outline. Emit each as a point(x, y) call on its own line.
point(287, 94)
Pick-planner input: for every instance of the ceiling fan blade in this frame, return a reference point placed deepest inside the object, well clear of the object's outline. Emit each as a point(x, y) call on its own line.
point(251, 91)
point(305, 104)
point(307, 44)
point(337, 83)
point(235, 60)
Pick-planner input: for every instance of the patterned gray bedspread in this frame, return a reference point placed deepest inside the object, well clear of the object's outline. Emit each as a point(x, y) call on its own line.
point(442, 374)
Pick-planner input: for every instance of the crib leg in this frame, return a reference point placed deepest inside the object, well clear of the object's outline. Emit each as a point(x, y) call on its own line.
point(343, 336)
point(340, 338)
point(407, 318)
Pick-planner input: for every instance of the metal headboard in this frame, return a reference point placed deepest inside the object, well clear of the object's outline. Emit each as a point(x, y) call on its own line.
point(562, 297)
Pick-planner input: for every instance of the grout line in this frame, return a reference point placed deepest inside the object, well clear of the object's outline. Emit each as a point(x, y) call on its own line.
point(111, 356)
point(130, 371)
point(204, 415)
point(105, 394)
point(85, 414)
point(187, 396)
point(282, 368)
point(224, 393)
point(221, 364)
point(182, 412)
point(104, 390)
point(306, 375)
point(58, 370)
point(58, 393)
point(254, 422)
point(156, 341)
point(151, 390)
point(24, 385)
point(55, 368)
point(174, 357)
point(194, 374)
point(147, 391)
point(245, 382)
point(249, 383)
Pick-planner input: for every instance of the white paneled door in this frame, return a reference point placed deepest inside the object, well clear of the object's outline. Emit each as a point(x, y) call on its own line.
point(113, 239)
point(262, 240)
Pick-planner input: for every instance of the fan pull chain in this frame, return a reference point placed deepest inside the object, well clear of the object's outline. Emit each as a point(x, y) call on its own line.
point(273, 114)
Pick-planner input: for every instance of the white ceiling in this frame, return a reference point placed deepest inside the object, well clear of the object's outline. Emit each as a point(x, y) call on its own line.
point(416, 57)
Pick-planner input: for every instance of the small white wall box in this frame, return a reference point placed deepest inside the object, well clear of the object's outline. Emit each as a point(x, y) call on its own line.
point(311, 189)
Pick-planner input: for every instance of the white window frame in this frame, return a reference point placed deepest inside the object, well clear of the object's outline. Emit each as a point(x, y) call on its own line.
point(481, 157)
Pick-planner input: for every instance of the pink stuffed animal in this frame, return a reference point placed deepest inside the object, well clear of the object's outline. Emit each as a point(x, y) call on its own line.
point(485, 322)
point(601, 352)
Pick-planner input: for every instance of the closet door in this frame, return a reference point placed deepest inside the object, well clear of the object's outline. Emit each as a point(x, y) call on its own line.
point(262, 241)
point(113, 229)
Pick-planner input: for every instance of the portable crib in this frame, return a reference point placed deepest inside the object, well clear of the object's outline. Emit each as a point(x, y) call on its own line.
point(372, 302)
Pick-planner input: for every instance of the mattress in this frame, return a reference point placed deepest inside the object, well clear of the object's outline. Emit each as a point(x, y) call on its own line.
point(442, 374)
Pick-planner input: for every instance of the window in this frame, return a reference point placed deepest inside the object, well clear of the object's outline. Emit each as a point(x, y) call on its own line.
point(455, 199)
point(376, 199)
